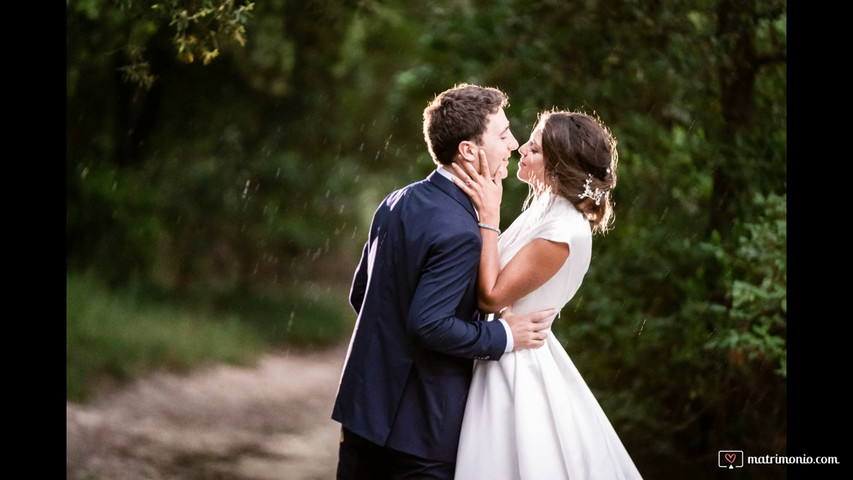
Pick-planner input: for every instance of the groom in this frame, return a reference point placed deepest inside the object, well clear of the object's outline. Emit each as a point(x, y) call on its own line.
point(405, 380)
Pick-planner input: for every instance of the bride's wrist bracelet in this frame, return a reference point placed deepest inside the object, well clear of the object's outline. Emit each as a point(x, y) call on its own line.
point(489, 227)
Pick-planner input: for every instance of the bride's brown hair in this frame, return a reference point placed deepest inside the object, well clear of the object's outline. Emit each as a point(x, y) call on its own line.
point(580, 163)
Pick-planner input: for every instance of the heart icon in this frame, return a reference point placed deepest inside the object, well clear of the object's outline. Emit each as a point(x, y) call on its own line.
point(731, 457)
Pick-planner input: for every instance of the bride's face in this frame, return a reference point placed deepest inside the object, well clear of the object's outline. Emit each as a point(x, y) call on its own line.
point(531, 166)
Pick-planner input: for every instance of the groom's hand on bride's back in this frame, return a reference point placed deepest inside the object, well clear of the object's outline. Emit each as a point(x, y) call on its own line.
point(529, 330)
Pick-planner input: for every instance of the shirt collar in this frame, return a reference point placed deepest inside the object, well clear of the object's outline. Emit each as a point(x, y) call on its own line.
point(446, 173)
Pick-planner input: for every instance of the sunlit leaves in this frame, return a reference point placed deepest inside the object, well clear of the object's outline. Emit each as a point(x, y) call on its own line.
point(199, 30)
point(138, 73)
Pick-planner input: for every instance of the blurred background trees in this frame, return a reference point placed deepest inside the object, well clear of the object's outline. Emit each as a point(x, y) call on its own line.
point(236, 150)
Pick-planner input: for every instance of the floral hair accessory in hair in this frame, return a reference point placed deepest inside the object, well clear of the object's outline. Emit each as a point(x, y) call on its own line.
point(596, 195)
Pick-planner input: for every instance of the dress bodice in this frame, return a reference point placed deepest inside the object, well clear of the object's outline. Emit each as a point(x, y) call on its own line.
point(554, 218)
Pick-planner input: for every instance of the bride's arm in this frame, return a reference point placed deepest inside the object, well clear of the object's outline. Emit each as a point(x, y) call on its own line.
point(529, 269)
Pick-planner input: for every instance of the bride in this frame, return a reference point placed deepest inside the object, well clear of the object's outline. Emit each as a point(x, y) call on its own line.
point(531, 416)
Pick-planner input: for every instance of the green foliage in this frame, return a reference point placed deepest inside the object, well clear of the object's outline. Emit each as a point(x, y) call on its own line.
point(757, 295)
point(116, 335)
point(113, 222)
point(199, 29)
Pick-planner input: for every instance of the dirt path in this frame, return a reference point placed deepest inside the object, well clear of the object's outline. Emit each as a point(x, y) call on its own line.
point(269, 422)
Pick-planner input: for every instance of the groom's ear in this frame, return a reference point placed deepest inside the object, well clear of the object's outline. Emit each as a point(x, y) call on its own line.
point(468, 151)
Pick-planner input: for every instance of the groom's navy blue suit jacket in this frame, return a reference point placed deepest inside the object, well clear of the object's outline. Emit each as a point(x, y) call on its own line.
point(407, 372)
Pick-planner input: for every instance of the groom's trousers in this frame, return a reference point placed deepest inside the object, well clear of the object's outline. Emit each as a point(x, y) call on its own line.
point(360, 459)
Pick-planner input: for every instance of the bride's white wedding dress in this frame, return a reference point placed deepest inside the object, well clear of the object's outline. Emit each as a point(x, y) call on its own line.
point(530, 415)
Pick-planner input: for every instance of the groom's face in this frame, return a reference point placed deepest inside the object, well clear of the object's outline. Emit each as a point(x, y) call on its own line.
point(498, 143)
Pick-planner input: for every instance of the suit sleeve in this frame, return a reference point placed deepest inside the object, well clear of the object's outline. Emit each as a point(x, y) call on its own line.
point(432, 320)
